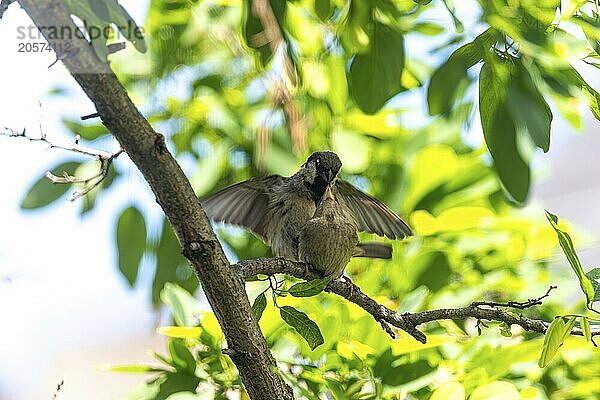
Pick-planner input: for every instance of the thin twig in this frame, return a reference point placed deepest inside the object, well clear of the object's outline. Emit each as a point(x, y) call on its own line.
point(58, 388)
point(516, 304)
point(105, 158)
point(407, 322)
point(90, 116)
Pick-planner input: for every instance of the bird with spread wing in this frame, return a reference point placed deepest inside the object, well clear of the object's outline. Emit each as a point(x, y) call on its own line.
point(277, 208)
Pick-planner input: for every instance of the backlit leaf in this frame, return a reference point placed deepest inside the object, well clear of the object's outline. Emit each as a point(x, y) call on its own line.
point(131, 242)
point(44, 192)
point(375, 76)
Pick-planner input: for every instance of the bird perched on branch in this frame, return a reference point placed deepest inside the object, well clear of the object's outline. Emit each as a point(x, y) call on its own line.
point(328, 240)
point(277, 208)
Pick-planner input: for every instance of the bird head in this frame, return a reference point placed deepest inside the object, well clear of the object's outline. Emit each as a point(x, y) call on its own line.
point(319, 171)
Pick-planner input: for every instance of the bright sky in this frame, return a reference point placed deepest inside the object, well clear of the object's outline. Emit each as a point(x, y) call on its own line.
point(63, 308)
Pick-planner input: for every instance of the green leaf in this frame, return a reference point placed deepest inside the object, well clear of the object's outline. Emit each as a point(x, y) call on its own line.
point(180, 332)
point(505, 330)
point(558, 331)
point(182, 357)
point(395, 371)
point(99, 8)
point(529, 109)
point(594, 277)
point(585, 328)
point(310, 288)
point(447, 79)
point(303, 325)
point(569, 250)
point(499, 130)
point(171, 266)
point(86, 131)
point(131, 242)
point(259, 305)
point(324, 9)
point(590, 24)
point(183, 305)
point(171, 383)
point(132, 369)
point(552, 341)
point(375, 76)
point(44, 192)
point(99, 15)
point(561, 79)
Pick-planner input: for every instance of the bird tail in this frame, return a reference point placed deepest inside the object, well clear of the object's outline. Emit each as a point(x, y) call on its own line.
point(373, 250)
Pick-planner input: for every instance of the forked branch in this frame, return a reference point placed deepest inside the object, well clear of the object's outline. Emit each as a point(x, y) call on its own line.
point(105, 158)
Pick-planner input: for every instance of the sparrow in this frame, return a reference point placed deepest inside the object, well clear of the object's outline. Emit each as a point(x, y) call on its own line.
point(276, 208)
point(328, 240)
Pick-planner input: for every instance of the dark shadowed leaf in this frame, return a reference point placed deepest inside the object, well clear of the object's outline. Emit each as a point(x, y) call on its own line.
point(529, 109)
point(44, 192)
point(500, 132)
point(182, 358)
point(259, 305)
point(303, 325)
point(131, 242)
point(447, 79)
point(324, 9)
point(393, 372)
point(310, 288)
point(171, 383)
point(374, 76)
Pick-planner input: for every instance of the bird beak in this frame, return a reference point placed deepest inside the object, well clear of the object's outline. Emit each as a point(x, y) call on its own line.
point(327, 175)
point(328, 193)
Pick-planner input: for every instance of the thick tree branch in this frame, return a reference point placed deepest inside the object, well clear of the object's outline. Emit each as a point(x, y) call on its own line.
point(408, 322)
point(147, 149)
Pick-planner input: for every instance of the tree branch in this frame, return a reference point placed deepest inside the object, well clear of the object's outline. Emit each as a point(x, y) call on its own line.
point(147, 149)
point(408, 322)
point(105, 158)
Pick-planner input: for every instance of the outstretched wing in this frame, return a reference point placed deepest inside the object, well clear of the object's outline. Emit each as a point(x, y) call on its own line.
point(370, 214)
point(244, 204)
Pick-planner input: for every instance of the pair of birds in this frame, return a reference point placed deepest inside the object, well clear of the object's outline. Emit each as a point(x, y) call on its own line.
point(310, 216)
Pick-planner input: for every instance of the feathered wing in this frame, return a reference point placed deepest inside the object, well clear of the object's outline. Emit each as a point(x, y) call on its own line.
point(370, 214)
point(244, 204)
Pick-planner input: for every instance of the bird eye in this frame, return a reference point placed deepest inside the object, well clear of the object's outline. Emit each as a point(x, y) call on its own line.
point(318, 160)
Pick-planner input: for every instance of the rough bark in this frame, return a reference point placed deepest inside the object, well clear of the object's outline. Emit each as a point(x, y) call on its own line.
point(146, 148)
